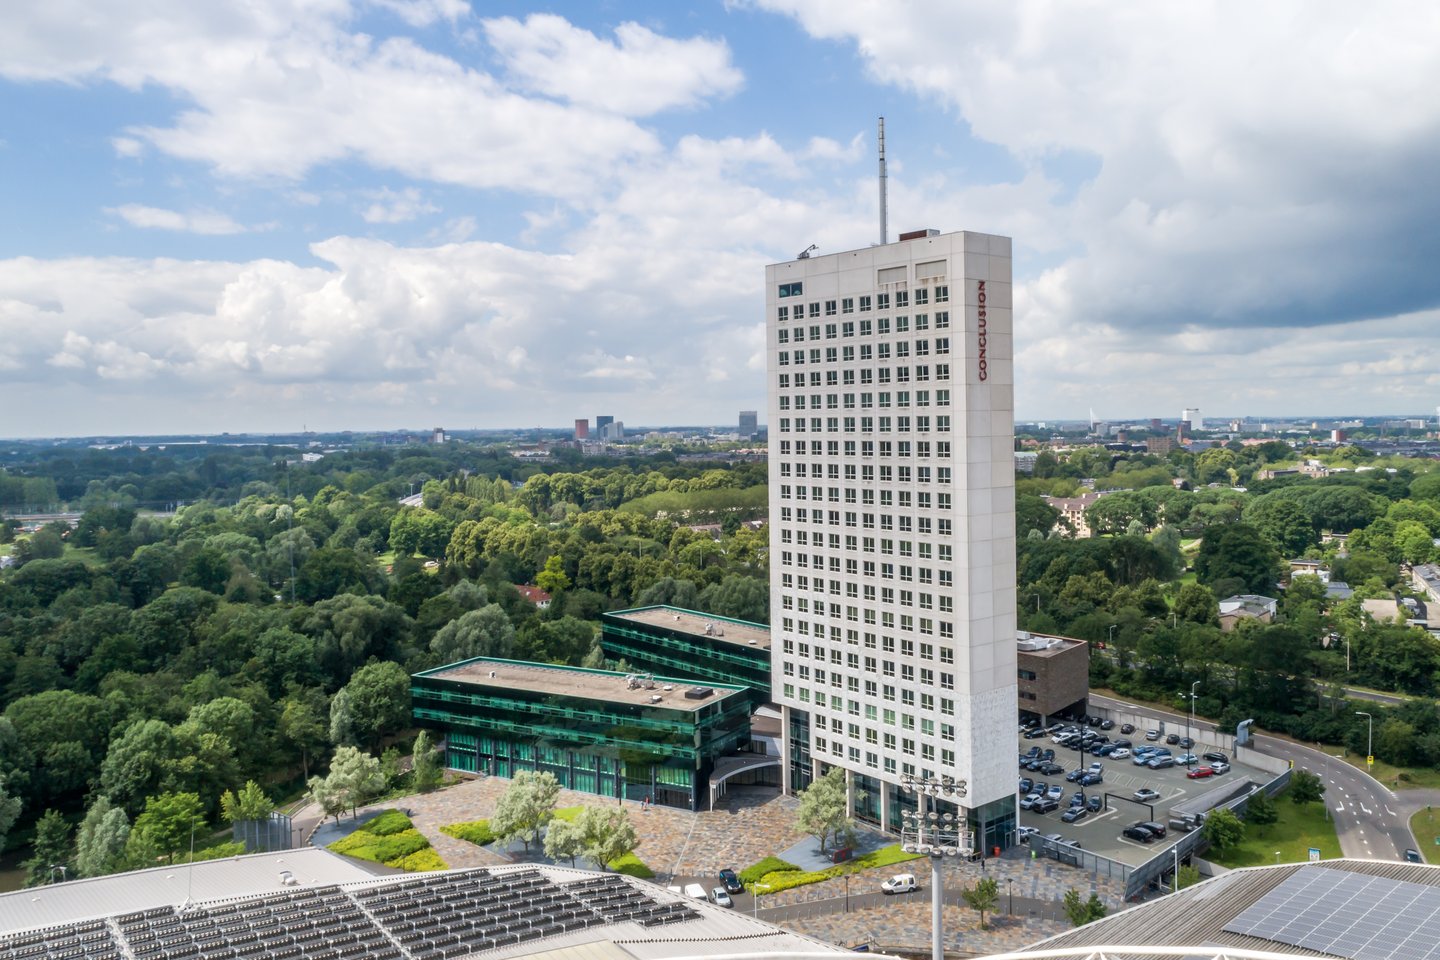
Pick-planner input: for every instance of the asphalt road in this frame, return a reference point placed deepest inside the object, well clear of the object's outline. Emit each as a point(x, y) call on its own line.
point(1370, 821)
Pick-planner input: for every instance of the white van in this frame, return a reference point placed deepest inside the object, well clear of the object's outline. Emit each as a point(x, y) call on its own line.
point(696, 891)
point(900, 883)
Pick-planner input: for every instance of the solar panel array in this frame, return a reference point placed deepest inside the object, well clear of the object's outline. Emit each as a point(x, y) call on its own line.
point(91, 940)
point(434, 917)
point(1348, 914)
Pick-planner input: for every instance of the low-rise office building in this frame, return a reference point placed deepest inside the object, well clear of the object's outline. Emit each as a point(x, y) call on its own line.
point(612, 734)
point(686, 643)
point(1054, 674)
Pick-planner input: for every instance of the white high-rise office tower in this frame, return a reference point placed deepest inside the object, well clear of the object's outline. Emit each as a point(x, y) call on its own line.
point(892, 519)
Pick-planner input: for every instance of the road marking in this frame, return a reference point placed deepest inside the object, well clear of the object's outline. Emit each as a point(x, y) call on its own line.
point(1339, 808)
point(1366, 809)
point(1389, 811)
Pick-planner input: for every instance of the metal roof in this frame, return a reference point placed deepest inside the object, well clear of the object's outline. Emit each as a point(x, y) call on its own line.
point(77, 900)
point(1198, 915)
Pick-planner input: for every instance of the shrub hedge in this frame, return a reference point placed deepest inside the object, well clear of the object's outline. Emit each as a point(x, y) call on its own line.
point(391, 839)
point(477, 832)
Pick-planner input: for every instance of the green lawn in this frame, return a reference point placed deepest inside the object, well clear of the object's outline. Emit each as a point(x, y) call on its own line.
point(1298, 829)
point(1425, 824)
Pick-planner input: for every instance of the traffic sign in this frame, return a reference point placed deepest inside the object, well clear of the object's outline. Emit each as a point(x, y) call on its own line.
point(1370, 761)
point(1314, 854)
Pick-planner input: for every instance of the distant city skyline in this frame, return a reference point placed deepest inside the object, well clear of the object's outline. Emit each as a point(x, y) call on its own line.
point(253, 217)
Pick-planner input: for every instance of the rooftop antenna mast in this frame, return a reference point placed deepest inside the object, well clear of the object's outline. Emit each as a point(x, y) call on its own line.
point(884, 229)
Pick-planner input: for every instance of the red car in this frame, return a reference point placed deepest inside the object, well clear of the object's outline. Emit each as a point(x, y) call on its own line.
point(1199, 773)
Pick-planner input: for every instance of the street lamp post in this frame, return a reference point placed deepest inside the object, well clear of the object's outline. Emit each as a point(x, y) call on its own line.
point(937, 836)
point(755, 893)
point(1010, 889)
point(1190, 730)
point(1369, 736)
point(1111, 641)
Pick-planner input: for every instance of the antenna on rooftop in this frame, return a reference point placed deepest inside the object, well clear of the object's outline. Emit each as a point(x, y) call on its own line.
point(884, 229)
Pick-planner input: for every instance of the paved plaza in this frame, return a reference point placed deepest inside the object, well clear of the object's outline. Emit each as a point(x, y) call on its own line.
point(751, 824)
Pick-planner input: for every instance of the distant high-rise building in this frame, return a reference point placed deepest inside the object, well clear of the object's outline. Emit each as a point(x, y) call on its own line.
point(582, 429)
point(1191, 416)
point(601, 422)
point(749, 424)
point(1155, 424)
point(892, 523)
point(612, 430)
point(437, 435)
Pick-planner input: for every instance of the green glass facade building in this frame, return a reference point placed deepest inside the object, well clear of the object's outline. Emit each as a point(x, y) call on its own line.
point(611, 734)
point(687, 643)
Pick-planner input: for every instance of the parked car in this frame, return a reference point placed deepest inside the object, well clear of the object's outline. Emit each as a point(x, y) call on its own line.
point(1094, 721)
point(1413, 856)
point(1091, 778)
point(1138, 834)
point(1152, 735)
point(731, 880)
point(721, 897)
point(1219, 767)
point(1122, 742)
point(1028, 801)
point(1216, 756)
point(1055, 791)
point(1186, 742)
point(900, 883)
point(1107, 724)
point(1034, 751)
point(1095, 804)
point(1186, 759)
point(1051, 769)
point(1127, 728)
point(1119, 753)
point(1053, 837)
point(1183, 824)
point(1200, 773)
point(1023, 834)
point(1156, 828)
point(1146, 795)
point(1046, 805)
point(1035, 734)
point(1025, 785)
point(1075, 814)
point(1074, 775)
point(696, 892)
point(1172, 738)
point(1161, 763)
point(1140, 759)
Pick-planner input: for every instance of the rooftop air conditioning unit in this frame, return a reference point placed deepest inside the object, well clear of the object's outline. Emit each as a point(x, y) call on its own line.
point(699, 693)
point(656, 698)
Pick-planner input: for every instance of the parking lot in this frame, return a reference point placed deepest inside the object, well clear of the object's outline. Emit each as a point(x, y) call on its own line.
point(1100, 832)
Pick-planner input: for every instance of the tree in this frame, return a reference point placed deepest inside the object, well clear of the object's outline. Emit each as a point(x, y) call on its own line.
point(564, 840)
point(250, 803)
point(1261, 809)
point(1188, 877)
point(51, 850)
point(1223, 829)
point(1237, 551)
point(553, 579)
point(139, 763)
point(982, 896)
point(486, 632)
point(354, 778)
point(1305, 787)
point(327, 797)
point(376, 703)
point(525, 807)
point(1081, 911)
point(169, 824)
point(822, 808)
point(425, 763)
point(609, 834)
point(741, 597)
point(9, 809)
point(302, 728)
point(100, 844)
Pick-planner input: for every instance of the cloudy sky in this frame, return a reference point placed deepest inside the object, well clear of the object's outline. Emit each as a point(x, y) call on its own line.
point(402, 213)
